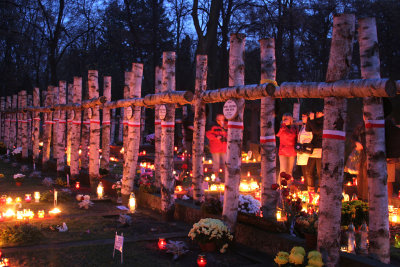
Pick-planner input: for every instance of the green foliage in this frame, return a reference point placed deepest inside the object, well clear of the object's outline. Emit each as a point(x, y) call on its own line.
point(355, 211)
point(60, 182)
point(48, 196)
point(20, 234)
point(397, 241)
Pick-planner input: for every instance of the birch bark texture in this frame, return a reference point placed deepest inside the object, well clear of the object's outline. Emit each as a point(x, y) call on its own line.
point(378, 235)
point(7, 124)
point(60, 133)
point(36, 125)
point(13, 134)
point(132, 139)
point(94, 138)
point(85, 137)
point(24, 125)
point(235, 133)
point(76, 117)
point(269, 197)
point(127, 92)
point(56, 117)
point(48, 123)
point(157, 128)
point(70, 115)
point(105, 127)
point(29, 120)
point(199, 128)
point(167, 140)
point(18, 121)
point(333, 142)
point(113, 122)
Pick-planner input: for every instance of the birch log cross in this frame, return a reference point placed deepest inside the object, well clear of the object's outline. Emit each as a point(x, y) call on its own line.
point(14, 122)
point(333, 142)
point(60, 133)
point(85, 137)
point(113, 123)
point(48, 123)
point(76, 117)
point(235, 133)
point(167, 140)
point(132, 139)
point(70, 115)
point(7, 129)
point(18, 120)
point(56, 117)
point(105, 134)
point(35, 125)
point(29, 119)
point(378, 235)
point(157, 129)
point(24, 125)
point(199, 128)
point(127, 92)
point(94, 164)
point(269, 197)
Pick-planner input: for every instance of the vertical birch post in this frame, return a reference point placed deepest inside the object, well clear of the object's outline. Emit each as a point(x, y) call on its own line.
point(60, 144)
point(132, 139)
point(76, 117)
point(48, 123)
point(85, 138)
point(167, 140)
point(333, 142)
point(121, 125)
point(24, 125)
point(70, 115)
point(7, 124)
point(199, 128)
point(157, 129)
point(128, 88)
point(269, 197)
point(235, 133)
point(378, 235)
point(18, 121)
point(35, 126)
point(105, 148)
point(56, 117)
point(29, 119)
point(94, 163)
point(14, 122)
point(142, 123)
point(113, 122)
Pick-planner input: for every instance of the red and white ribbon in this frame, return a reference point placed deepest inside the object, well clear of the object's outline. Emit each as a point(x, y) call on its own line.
point(62, 121)
point(86, 122)
point(23, 121)
point(178, 121)
point(125, 122)
point(36, 119)
point(70, 121)
point(134, 124)
point(49, 122)
point(106, 122)
point(267, 139)
point(55, 120)
point(235, 125)
point(333, 134)
point(167, 124)
point(375, 124)
point(95, 121)
point(157, 122)
point(76, 122)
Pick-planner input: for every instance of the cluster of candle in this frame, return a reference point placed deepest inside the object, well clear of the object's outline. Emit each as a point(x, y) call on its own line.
point(147, 165)
point(393, 215)
point(246, 158)
point(216, 188)
point(246, 186)
point(4, 199)
point(21, 214)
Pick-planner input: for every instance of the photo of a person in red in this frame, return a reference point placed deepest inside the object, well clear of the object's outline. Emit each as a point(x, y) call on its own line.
point(217, 136)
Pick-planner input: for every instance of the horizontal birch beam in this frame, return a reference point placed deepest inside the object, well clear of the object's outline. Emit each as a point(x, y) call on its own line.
point(248, 92)
point(177, 97)
point(342, 88)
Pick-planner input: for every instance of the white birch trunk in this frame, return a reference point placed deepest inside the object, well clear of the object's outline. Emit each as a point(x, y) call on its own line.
point(36, 125)
point(199, 129)
point(76, 117)
point(167, 140)
point(7, 130)
point(128, 88)
point(70, 115)
point(13, 133)
point(24, 125)
point(19, 119)
point(157, 129)
point(60, 134)
point(56, 117)
point(29, 119)
point(269, 197)
point(121, 125)
point(94, 163)
point(105, 127)
point(235, 133)
point(333, 142)
point(379, 241)
point(48, 123)
point(142, 124)
point(113, 123)
point(132, 139)
point(85, 138)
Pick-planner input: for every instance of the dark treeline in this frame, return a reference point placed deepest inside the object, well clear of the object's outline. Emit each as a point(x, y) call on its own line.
point(44, 41)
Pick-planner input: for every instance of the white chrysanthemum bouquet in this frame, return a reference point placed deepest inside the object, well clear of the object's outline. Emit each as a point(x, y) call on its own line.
point(248, 204)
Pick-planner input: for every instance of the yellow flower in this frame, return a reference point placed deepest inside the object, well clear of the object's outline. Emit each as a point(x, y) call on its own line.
point(283, 254)
point(281, 260)
point(296, 258)
point(298, 250)
point(316, 262)
point(1, 175)
point(314, 254)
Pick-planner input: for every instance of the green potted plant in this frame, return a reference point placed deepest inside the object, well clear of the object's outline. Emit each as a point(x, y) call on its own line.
point(211, 234)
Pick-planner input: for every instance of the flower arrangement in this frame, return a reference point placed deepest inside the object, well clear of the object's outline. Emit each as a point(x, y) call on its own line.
point(16, 151)
point(397, 241)
point(296, 258)
point(308, 223)
point(1, 175)
point(211, 230)
point(355, 211)
point(117, 187)
point(248, 204)
point(19, 177)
